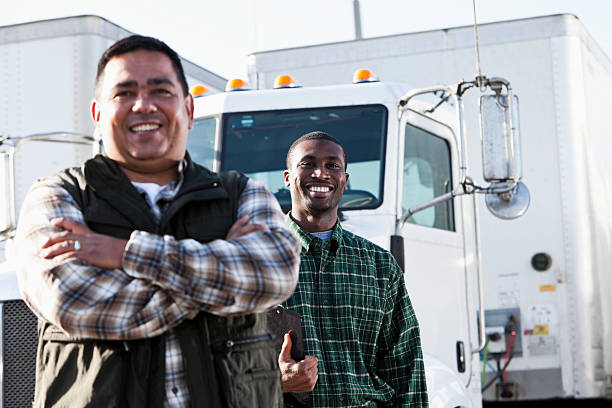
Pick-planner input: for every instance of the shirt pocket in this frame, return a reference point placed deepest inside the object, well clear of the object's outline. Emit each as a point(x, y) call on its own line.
point(80, 373)
point(248, 371)
point(366, 297)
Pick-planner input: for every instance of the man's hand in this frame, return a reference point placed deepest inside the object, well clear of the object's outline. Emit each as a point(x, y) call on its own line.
point(297, 376)
point(99, 250)
point(242, 227)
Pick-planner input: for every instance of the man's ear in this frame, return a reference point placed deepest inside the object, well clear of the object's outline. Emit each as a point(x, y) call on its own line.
point(346, 181)
point(286, 175)
point(95, 111)
point(190, 108)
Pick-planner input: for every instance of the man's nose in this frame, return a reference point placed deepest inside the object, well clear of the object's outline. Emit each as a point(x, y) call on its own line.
point(144, 104)
point(320, 171)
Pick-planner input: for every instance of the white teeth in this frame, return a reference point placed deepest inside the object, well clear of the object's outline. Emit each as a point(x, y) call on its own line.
point(144, 127)
point(320, 189)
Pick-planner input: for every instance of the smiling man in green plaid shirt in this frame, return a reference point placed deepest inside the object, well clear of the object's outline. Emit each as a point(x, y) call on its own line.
point(360, 331)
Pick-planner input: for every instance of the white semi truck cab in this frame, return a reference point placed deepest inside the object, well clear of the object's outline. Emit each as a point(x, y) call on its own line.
point(408, 190)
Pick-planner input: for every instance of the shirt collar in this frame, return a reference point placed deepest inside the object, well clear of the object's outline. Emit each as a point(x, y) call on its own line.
point(307, 239)
point(179, 181)
point(166, 192)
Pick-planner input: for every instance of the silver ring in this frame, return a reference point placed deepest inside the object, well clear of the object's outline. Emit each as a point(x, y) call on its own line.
point(77, 245)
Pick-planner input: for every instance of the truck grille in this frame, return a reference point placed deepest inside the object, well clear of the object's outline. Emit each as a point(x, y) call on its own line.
point(19, 341)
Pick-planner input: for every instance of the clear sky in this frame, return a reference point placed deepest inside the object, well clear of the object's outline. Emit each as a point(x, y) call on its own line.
point(219, 34)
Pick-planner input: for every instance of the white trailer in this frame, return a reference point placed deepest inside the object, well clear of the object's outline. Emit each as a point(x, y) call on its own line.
point(47, 73)
point(551, 269)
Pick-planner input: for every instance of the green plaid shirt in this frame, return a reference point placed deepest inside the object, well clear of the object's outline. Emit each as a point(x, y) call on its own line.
point(358, 321)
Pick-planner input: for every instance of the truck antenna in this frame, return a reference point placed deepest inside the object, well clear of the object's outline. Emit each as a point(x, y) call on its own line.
point(479, 79)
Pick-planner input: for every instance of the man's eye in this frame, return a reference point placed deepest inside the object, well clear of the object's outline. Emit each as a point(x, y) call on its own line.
point(333, 165)
point(162, 91)
point(123, 94)
point(305, 164)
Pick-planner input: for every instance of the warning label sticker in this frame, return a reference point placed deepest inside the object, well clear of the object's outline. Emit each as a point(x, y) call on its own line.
point(541, 330)
point(541, 345)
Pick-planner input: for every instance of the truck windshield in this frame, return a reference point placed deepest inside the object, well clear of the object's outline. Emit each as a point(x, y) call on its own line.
point(256, 144)
point(201, 141)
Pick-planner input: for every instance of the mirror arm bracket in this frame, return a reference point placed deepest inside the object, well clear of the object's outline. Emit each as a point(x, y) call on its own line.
point(459, 191)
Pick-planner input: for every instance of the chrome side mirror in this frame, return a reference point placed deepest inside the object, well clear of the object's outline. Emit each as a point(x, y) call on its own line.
point(501, 146)
point(502, 165)
point(510, 202)
point(506, 196)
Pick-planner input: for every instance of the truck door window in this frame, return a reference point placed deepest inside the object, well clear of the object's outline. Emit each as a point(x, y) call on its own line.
point(427, 174)
point(256, 144)
point(201, 141)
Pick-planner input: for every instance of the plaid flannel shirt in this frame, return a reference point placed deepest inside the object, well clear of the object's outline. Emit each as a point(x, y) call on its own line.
point(359, 323)
point(163, 282)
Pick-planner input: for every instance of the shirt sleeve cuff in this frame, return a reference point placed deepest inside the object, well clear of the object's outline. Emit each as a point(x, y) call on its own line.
point(143, 255)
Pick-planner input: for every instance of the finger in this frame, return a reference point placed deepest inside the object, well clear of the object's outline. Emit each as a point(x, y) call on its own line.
point(69, 224)
point(58, 249)
point(244, 220)
point(57, 237)
point(307, 382)
point(307, 369)
point(62, 222)
point(285, 353)
point(309, 362)
point(313, 371)
point(247, 229)
point(68, 256)
point(236, 226)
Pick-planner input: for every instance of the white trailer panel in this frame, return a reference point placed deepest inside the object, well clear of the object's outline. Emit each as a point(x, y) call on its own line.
point(562, 78)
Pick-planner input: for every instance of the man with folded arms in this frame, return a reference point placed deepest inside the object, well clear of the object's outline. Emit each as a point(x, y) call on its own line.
point(147, 270)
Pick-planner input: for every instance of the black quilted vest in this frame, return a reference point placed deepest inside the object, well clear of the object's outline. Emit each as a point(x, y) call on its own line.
point(229, 361)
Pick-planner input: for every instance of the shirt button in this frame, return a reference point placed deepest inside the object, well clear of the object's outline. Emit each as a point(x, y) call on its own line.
point(325, 302)
point(175, 390)
point(341, 399)
point(140, 268)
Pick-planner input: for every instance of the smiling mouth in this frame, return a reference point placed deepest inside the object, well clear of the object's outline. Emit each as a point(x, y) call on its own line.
point(319, 189)
point(145, 127)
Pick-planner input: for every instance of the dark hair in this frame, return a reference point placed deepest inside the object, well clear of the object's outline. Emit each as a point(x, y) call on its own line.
point(140, 42)
point(316, 135)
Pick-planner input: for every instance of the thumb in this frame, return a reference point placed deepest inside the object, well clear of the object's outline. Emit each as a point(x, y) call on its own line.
point(285, 353)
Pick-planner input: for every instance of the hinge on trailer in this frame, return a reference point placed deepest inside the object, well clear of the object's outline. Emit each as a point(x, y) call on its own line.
point(560, 275)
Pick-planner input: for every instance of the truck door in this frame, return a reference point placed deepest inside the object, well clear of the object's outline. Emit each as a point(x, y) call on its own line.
point(435, 260)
